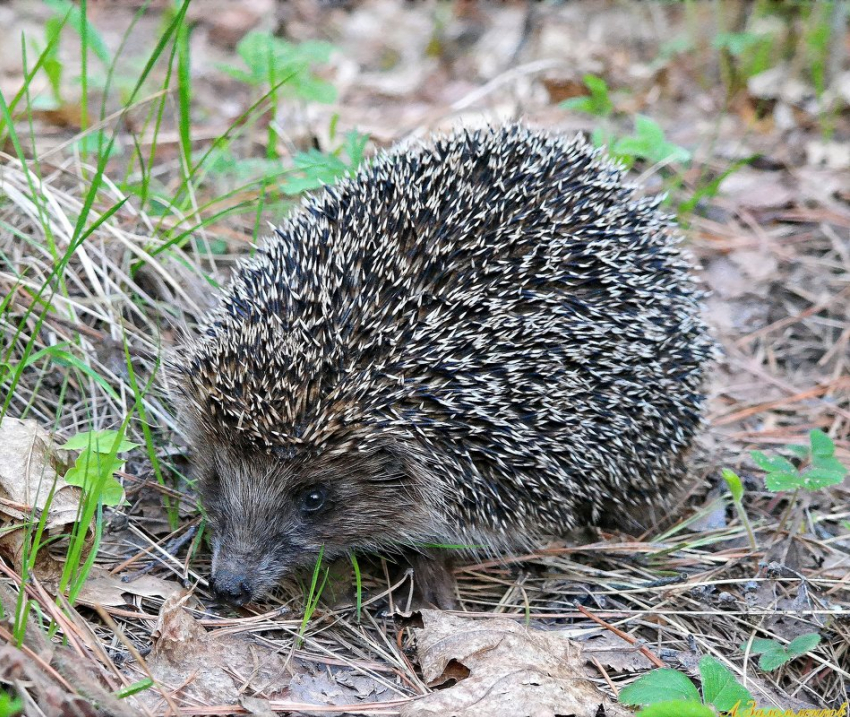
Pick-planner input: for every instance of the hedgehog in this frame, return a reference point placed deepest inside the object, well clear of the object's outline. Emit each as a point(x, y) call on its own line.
point(488, 339)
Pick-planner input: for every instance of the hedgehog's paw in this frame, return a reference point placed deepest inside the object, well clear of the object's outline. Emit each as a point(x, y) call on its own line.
point(434, 583)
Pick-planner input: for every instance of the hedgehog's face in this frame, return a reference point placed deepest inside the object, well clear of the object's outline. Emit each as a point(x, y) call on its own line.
point(270, 515)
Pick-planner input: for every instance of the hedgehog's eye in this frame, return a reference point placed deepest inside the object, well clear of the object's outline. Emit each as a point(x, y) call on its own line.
point(313, 499)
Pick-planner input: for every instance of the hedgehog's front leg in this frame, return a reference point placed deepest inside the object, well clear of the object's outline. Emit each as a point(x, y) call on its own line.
point(434, 582)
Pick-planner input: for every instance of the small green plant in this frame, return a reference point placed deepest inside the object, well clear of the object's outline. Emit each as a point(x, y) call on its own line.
point(313, 596)
point(709, 189)
point(648, 143)
point(314, 168)
point(669, 693)
point(598, 103)
point(774, 654)
point(10, 706)
point(65, 14)
point(95, 467)
point(273, 62)
point(736, 488)
point(752, 52)
point(135, 688)
point(358, 585)
point(94, 472)
point(819, 468)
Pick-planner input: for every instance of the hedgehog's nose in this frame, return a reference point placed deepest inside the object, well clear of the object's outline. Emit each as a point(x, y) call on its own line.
point(231, 587)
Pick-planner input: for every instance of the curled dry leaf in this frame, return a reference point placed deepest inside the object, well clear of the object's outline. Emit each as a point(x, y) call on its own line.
point(616, 654)
point(754, 189)
point(502, 669)
point(222, 668)
point(213, 668)
point(335, 686)
point(29, 469)
point(103, 588)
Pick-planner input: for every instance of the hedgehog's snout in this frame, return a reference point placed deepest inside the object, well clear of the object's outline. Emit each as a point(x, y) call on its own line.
point(232, 586)
point(240, 574)
point(247, 567)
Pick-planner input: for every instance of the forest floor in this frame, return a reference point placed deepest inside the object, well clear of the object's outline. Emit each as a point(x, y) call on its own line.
point(125, 194)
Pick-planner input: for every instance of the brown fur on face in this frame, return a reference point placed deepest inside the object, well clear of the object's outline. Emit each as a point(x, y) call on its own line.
point(262, 508)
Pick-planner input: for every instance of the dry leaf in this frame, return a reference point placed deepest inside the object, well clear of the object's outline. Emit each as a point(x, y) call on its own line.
point(756, 189)
point(28, 464)
point(215, 668)
point(28, 472)
point(833, 155)
point(779, 83)
point(616, 654)
point(336, 686)
point(502, 669)
point(760, 265)
point(103, 588)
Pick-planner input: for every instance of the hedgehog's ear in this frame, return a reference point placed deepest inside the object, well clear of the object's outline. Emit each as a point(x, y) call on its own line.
point(405, 462)
point(388, 462)
point(420, 487)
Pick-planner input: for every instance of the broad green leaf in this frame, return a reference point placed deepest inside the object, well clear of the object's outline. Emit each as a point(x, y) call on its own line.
point(662, 685)
point(658, 149)
point(719, 686)
point(648, 129)
point(94, 474)
point(9, 705)
point(595, 84)
point(774, 654)
point(112, 492)
point(677, 708)
point(774, 658)
point(760, 645)
point(776, 482)
point(737, 43)
point(772, 463)
point(803, 644)
point(822, 444)
point(598, 103)
point(829, 463)
point(802, 452)
point(98, 441)
point(736, 488)
point(578, 104)
point(817, 478)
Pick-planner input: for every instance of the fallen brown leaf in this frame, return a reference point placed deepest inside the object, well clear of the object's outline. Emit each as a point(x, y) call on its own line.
point(502, 669)
point(103, 588)
point(755, 189)
point(616, 654)
point(29, 470)
point(213, 668)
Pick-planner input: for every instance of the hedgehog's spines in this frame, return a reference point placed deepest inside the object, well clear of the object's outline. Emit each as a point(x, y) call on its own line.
point(500, 299)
